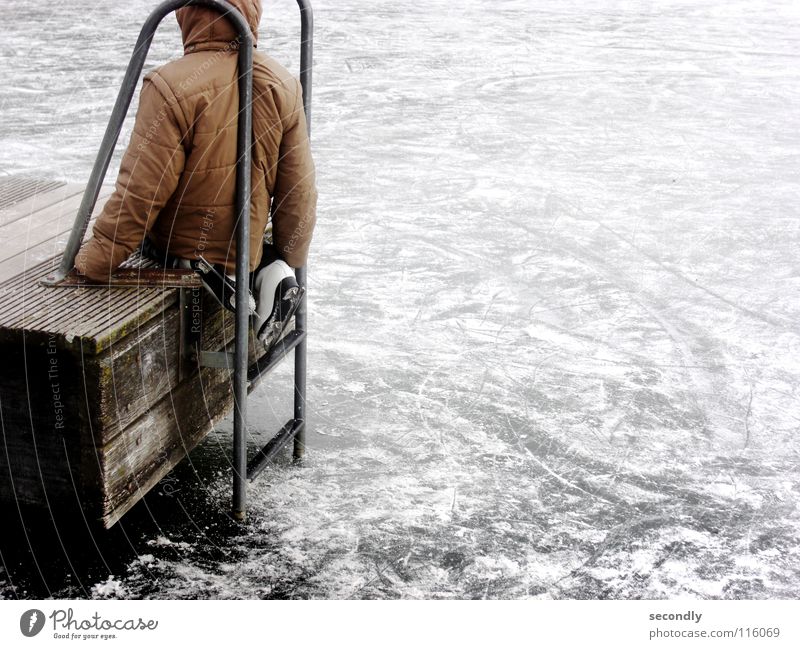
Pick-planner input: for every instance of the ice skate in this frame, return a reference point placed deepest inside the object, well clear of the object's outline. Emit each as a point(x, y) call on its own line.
point(278, 296)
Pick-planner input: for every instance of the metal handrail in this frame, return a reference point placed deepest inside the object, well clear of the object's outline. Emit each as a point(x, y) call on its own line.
point(243, 167)
point(301, 316)
point(123, 102)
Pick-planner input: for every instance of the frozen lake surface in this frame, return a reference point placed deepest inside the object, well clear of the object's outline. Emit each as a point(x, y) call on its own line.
point(555, 334)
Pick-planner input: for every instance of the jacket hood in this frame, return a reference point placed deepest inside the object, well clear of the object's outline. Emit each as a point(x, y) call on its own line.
point(203, 28)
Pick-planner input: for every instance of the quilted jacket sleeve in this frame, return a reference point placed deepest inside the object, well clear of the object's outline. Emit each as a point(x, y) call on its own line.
point(294, 202)
point(148, 175)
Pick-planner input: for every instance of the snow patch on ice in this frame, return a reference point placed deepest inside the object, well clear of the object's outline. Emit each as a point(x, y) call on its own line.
point(111, 588)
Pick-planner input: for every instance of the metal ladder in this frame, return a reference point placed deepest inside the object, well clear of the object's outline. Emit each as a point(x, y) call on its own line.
point(245, 378)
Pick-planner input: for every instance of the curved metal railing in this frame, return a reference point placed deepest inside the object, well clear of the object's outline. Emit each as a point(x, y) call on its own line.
point(243, 166)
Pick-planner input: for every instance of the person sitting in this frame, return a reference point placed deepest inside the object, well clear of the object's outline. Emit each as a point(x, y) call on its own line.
point(174, 198)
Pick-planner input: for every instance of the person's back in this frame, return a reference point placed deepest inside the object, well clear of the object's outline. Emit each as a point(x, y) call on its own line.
point(177, 180)
point(176, 189)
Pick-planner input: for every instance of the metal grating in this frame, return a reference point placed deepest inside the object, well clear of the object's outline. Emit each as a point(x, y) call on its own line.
point(137, 261)
point(15, 189)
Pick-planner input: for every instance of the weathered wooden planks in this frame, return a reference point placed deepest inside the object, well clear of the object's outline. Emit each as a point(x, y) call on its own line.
point(97, 401)
point(22, 195)
point(125, 410)
point(37, 228)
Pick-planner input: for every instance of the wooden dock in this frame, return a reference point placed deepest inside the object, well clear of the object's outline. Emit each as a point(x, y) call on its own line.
point(97, 401)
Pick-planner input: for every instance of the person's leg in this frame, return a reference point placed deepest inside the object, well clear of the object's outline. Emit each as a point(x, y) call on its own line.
point(269, 254)
point(274, 298)
point(221, 285)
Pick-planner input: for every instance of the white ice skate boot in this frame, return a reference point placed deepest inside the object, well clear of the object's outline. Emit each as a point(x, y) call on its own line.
point(277, 299)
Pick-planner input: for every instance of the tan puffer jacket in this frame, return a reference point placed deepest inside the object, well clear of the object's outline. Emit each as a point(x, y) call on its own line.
point(177, 179)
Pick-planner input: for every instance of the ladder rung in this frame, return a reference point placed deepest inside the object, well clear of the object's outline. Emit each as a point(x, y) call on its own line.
point(273, 447)
point(270, 360)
